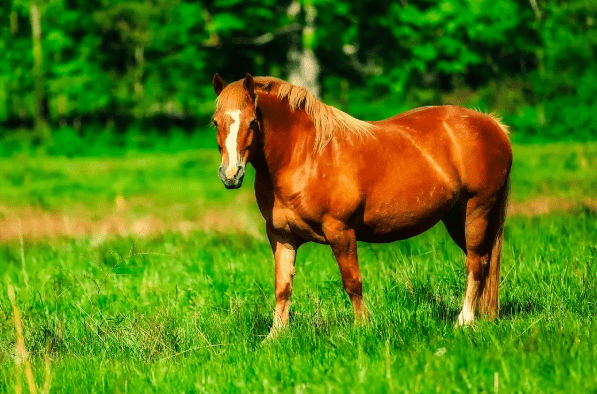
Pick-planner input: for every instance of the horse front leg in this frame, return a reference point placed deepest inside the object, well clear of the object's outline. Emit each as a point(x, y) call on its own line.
point(343, 242)
point(285, 255)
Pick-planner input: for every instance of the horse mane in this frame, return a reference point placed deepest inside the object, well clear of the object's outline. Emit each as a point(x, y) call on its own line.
point(327, 120)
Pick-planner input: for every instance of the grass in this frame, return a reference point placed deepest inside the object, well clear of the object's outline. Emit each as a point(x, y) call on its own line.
point(91, 185)
point(188, 314)
point(565, 170)
point(179, 185)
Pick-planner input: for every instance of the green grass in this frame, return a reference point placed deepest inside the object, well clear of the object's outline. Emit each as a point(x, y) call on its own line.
point(188, 312)
point(189, 315)
point(59, 183)
point(565, 170)
point(167, 184)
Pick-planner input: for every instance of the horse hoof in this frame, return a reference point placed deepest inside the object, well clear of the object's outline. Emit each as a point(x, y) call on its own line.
point(463, 321)
point(274, 333)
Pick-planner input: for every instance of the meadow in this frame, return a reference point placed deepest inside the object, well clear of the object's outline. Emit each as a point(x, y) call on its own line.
point(154, 278)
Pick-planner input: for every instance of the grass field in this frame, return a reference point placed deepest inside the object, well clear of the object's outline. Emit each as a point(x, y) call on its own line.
point(187, 311)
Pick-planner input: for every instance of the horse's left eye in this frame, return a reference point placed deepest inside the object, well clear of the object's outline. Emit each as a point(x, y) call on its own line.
point(215, 124)
point(253, 123)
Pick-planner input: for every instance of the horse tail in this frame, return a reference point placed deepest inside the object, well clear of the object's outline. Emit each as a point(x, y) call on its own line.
point(489, 301)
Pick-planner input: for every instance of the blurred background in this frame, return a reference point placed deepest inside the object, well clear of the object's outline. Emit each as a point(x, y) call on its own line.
point(113, 78)
point(105, 74)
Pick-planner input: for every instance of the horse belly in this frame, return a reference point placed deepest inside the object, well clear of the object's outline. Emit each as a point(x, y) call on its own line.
point(389, 217)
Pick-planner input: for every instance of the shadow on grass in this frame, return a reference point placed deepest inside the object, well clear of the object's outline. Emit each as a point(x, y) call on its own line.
point(442, 309)
point(514, 308)
point(424, 298)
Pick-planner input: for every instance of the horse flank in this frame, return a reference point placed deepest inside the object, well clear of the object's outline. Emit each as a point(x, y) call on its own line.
point(327, 120)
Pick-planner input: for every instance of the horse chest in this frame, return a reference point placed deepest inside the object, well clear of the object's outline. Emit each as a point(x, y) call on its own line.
point(296, 220)
point(285, 213)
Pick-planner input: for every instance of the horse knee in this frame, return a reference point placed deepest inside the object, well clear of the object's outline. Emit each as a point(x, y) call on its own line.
point(283, 291)
point(353, 284)
point(477, 266)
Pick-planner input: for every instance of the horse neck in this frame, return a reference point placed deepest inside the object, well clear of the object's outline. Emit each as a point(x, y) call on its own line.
point(286, 138)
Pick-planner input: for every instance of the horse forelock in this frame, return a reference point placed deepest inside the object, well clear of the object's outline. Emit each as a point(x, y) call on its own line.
point(232, 98)
point(327, 120)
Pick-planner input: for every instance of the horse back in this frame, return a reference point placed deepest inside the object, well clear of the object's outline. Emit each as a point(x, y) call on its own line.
point(471, 148)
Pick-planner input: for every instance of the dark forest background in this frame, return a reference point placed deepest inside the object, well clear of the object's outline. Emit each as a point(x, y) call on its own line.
point(84, 77)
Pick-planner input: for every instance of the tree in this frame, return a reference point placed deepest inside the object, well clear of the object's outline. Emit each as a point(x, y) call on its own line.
point(41, 113)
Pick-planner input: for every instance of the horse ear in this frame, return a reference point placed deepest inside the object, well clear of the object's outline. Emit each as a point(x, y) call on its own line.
point(249, 85)
point(218, 83)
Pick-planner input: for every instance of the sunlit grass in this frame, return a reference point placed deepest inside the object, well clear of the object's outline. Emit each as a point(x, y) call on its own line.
point(175, 313)
point(180, 184)
point(564, 169)
point(188, 311)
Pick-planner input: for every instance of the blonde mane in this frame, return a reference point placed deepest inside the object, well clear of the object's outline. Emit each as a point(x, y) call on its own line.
point(327, 120)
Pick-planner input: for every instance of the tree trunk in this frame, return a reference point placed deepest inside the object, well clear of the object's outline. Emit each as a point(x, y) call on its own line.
point(540, 107)
point(139, 68)
point(303, 66)
point(139, 110)
point(41, 113)
point(14, 23)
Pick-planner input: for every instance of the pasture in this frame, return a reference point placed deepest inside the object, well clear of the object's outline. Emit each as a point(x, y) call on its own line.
point(143, 274)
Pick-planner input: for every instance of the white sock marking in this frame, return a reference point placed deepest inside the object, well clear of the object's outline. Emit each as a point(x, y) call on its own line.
point(232, 138)
point(467, 315)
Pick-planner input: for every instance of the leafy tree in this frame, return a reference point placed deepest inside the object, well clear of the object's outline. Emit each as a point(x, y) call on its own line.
point(119, 64)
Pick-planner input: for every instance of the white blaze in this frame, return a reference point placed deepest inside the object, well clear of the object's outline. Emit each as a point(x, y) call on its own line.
point(232, 138)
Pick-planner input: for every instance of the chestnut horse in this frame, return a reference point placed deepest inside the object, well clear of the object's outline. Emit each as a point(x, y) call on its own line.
point(326, 177)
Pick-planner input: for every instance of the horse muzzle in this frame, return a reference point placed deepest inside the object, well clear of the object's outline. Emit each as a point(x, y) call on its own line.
point(232, 178)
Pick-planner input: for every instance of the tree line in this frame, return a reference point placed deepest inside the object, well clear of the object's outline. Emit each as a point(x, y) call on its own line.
point(115, 63)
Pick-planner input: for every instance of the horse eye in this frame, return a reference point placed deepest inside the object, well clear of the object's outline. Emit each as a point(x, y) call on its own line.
point(253, 123)
point(215, 124)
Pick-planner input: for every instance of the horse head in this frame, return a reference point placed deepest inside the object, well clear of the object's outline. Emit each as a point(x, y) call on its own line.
point(237, 127)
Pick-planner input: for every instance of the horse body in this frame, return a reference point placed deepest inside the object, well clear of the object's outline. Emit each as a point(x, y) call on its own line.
point(394, 181)
point(386, 187)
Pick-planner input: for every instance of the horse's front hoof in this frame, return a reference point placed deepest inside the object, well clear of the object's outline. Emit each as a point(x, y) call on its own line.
point(464, 320)
point(362, 318)
point(274, 333)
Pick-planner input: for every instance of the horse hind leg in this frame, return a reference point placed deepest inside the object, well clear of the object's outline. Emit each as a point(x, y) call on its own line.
point(483, 234)
point(455, 223)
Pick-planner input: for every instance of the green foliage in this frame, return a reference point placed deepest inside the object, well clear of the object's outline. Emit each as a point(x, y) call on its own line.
point(563, 103)
point(129, 61)
point(568, 117)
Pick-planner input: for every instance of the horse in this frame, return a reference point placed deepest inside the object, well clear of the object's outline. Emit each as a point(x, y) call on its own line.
point(323, 176)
